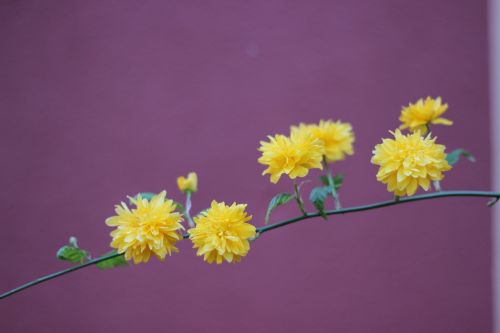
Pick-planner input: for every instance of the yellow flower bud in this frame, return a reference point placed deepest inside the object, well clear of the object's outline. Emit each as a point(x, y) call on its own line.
point(189, 184)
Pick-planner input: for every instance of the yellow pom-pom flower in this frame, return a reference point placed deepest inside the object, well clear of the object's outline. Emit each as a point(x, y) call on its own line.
point(222, 233)
point(337, 138)
point(189, 184)
point(150, 228)
point(294, 155)
point(409, 161)
point(418, 116)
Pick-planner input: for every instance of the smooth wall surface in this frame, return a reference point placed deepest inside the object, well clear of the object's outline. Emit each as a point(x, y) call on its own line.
point(103, 99)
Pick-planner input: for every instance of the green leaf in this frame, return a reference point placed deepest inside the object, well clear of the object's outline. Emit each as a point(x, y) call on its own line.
point(112, 262)
point(318, 196)
point(179, 206)
point(455, 155)
point(337, 180)
point(72, 254)
point(278, 200)
point(145, 195)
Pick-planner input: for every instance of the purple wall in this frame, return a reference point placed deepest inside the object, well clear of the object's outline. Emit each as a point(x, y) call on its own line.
point(100, 99)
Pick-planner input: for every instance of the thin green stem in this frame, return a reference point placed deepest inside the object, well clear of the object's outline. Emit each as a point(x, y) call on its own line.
point(60, 273)
point(495, 195)
point(187, 210)
point(331, 183)
point(437, 185)
point(383, 204)
point(298, 198)
point(64, 272)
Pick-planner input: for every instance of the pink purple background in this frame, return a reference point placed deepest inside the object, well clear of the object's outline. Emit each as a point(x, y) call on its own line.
point(102, 99)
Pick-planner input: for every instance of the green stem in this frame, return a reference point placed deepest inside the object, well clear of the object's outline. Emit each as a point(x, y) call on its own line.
point(428, 127)
point(270, 227)
point(331, 183)
point(187, 210)
point(298, 198)
point(60, 273)
point(437, 185)
point(64, 272)
point(384, 204)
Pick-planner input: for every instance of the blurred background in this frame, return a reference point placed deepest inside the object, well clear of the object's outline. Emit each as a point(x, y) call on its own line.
point(104, 99)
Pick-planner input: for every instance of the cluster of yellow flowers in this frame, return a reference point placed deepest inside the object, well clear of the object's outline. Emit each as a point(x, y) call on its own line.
point(306, 148)
point(409, 161)
point(153, 227)
point(222, 233)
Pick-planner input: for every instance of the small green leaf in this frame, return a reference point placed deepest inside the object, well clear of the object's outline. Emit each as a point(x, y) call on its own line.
point(179, 206)
point(337, 180)
point(455, 155)
point(72, 254)
point(112, 262)
point(145, 195)
point(318, 196)
point(278, 200)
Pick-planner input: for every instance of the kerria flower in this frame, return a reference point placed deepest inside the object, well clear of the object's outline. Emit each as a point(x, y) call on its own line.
point(418, 116)
point(188, 184)
point(337, 137)
point(293, 155)
point(150, 228)
point(409, 161)
point(222, 233)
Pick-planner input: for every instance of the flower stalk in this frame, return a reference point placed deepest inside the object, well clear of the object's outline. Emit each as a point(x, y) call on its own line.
point(437, 185)
point(331, 183)
point(298, 198)
point(187, 210)
point(494, 195)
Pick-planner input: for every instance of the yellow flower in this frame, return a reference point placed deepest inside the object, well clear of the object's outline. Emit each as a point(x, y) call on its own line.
point(222, 233)
point(337, 138)
point(188, 184)
point(418, 116)
point(151, 228)
point(293, 155)
point(409, 161)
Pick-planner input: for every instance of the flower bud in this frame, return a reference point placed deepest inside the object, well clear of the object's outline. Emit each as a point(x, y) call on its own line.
point(189, 184)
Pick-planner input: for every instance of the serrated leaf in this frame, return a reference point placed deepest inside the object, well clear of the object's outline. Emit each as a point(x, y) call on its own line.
point(112, 262)
point(337, 180)
point(72, 254)
point(278, 200)
point(455, 155)
point(145, 195)
point(318, 196)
